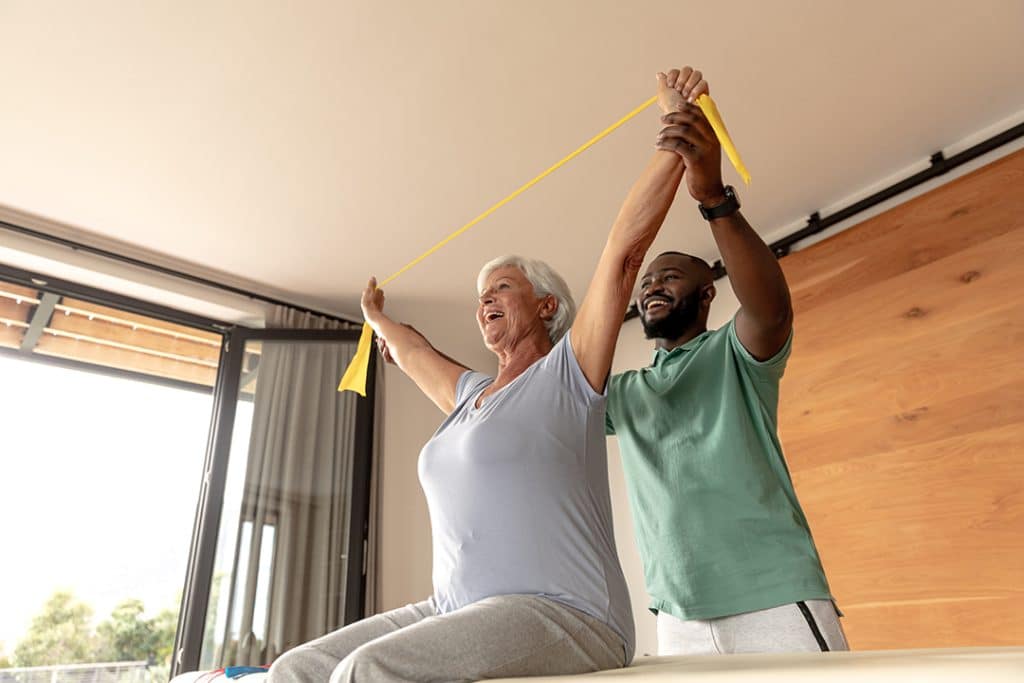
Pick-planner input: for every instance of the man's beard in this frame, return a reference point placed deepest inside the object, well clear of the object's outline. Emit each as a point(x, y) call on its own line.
point(682, 316)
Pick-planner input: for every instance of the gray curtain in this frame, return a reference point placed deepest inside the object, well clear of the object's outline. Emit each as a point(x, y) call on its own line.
point(296, 499)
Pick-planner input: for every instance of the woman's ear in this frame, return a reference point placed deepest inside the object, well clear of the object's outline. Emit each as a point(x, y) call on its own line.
point(548, 307)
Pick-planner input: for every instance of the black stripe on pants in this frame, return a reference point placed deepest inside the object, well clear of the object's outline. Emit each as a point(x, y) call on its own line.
point(805, 610)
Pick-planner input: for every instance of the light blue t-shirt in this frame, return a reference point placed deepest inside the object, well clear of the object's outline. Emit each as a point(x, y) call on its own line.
point(518, 495)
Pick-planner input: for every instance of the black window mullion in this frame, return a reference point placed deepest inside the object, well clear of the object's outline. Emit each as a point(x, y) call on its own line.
point(359, 512)
point(199, 577)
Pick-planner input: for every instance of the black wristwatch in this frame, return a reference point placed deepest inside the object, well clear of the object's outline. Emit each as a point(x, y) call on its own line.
point(730, 206)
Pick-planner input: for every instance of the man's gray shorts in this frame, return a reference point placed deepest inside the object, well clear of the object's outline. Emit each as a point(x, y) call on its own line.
point(811, 626)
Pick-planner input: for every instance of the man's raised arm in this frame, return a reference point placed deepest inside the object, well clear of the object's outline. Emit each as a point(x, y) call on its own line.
point(765, 318)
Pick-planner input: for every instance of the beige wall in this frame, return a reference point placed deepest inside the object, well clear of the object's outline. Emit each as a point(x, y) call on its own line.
point(404, 541)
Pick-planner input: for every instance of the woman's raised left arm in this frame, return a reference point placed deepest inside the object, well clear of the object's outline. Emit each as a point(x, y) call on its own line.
point(597, 324)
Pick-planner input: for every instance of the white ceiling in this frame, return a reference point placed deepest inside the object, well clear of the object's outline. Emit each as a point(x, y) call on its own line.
point(297, 147)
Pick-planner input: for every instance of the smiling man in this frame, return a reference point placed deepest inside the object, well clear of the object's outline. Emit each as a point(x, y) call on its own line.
point(728, 556)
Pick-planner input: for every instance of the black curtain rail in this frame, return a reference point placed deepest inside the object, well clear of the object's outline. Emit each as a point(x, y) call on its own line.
point(939, 165)
point(206, 282)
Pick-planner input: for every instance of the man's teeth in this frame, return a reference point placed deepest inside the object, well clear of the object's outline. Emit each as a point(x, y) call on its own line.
point(655, 303)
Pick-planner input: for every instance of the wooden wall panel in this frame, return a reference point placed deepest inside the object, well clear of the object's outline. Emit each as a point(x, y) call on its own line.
point(968, 211)
point(902, 414)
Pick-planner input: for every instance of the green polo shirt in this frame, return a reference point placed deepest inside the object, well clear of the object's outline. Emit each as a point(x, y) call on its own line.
point(718, 524)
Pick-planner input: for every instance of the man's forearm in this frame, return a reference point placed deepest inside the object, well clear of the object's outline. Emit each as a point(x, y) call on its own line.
point(754, 271)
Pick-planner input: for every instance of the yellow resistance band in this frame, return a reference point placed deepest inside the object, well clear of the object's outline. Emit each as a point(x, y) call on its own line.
point(355, 376)
point(707, 105)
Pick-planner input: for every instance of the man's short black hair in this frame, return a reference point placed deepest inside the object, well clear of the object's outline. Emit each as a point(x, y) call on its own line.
point(703, 265)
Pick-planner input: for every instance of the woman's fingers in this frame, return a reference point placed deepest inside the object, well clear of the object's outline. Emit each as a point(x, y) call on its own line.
point(691, 82)
point(373, 297)
point(702, 88)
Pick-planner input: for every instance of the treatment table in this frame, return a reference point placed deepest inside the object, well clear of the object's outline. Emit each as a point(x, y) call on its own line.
point(969, 665)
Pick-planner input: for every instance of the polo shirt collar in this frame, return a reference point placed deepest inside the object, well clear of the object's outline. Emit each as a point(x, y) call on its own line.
point(661, 354)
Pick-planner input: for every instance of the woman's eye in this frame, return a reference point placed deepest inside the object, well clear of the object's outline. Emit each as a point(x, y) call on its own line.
point(503, 285)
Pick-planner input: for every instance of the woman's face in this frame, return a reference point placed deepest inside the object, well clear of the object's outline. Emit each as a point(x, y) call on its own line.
point(509, 310)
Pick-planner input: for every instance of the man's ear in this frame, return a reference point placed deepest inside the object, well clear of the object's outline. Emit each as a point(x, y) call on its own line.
point(707, 294)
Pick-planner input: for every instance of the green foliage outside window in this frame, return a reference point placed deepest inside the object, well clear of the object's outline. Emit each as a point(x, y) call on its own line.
point(62, 633)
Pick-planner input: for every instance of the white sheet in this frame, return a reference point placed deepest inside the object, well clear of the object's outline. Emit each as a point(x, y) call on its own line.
point(970, 665)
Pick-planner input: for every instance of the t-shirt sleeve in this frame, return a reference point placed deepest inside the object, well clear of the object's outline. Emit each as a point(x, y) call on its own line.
point(562, 361)
point(770, 369)
point(469, 383)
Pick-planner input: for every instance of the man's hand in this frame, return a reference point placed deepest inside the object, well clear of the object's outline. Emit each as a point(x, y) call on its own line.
point(689, 134)
point(382, 344)
point(385, 352)
point(678, 87)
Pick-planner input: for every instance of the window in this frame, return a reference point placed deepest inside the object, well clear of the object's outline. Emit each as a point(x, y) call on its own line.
point(176, 492)
point(106, 414)
point(288, 502)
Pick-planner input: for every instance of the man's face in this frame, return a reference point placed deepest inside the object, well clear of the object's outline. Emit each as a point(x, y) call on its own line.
point(669, 297)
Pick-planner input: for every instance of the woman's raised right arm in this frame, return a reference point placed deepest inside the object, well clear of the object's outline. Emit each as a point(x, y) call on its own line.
point(433, 373)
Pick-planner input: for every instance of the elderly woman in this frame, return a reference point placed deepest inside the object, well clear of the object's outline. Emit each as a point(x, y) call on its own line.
point(526, 577)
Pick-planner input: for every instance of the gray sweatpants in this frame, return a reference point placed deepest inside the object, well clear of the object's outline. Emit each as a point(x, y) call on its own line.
point(811, 626)
point(508, 635)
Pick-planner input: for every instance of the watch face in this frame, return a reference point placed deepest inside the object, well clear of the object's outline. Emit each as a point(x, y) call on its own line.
point(730, 193)
point(729, 206)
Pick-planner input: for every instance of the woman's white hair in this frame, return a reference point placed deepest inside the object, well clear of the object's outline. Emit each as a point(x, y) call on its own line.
point(545, 281)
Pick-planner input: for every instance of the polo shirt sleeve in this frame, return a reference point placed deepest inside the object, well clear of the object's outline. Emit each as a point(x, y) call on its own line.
point(771, 369)
point(609, 425)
